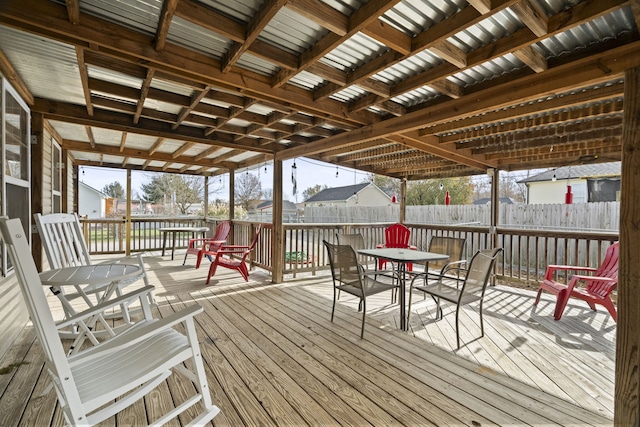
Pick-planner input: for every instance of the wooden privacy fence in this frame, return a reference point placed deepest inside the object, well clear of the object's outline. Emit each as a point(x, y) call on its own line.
point(580, 216)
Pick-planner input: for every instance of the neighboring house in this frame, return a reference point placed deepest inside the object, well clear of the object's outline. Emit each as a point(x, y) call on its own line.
point(487, 200)
point(364, 194)
point(119, 207)
point(265, 210)
point(91, 202)
point(589, 183)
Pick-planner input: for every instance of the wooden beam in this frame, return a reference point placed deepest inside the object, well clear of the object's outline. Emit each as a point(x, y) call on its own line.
point(257, 23)
point(14, 78)
point(450, 53)
point(122, 122)
point(357, 21)
point(80, 146)
point(123, 140)
point(144, 91)
point(84, 79)
point(482, 6)
point(73, 10)
point(532, 58)
point(533, 16)
point(164, 22)
point(592, 70)
point(322, 14)
point(92, 140)
point(132, 46)
point(195, 100)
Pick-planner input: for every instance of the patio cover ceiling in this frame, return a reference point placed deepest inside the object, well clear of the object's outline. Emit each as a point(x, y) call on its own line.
point(410, 89)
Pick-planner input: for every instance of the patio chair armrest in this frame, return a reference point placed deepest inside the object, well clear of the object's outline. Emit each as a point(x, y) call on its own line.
point(553, 268)
point(454, 265)
point(138, 333)
point(233, 249)
point(114, 302)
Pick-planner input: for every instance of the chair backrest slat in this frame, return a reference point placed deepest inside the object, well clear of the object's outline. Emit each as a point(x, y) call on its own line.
point(344, 264)
point(451, 246)
point(397, 236)
point(609, 269)
point(356, 241)
point(222, 231)
point(62, 240)
point(479, 271)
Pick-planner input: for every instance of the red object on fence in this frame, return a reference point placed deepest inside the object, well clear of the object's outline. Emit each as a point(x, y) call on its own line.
point(393, 199)
point(447, 199)
point(568, 198)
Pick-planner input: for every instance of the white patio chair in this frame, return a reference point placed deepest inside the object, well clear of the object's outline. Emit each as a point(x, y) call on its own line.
point(99, 382)
point(65, 246)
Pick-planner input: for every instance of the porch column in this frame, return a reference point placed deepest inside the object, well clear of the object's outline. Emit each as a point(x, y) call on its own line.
point(127, 221)
point(495, 206)
point(277, 235)
point(403, 200)
point(627, 382)
point(232, 194)
point(206, 198)
point(37, 182)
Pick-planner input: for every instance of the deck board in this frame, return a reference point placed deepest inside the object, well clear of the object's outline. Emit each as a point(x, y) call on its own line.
point(273, 357)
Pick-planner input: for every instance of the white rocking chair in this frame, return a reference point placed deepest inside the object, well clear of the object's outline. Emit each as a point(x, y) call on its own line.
point(65, 246)
point(99, 382)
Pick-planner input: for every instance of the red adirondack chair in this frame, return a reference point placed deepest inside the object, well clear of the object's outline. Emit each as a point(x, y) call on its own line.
point(238, 264)
point(599, 285)
point(208, 245)
point(396, 236)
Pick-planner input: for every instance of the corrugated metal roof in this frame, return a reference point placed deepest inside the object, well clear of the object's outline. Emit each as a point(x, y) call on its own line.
point(194, 37)
point(49, 66)
point(292, 32)
point(141, 15)
point(414, 16)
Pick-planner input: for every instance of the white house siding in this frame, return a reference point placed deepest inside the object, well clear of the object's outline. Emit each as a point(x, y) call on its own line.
point(549, 192)
point(90, 203)
point(369, 196)
point(47, 202)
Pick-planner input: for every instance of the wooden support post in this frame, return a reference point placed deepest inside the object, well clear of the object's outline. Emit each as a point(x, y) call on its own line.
point(495, 206)
point(277, 235)
point(127, 222)
point(205, 201)
point(403, 200)
point(37, 182)
point(627, 381)
point(232, 203)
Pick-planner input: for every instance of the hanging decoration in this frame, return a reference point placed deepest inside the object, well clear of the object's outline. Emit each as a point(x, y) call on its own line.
point(447, 199)
point(265, 168)
point(294, 177)
point(568, 197)
point(336, 171)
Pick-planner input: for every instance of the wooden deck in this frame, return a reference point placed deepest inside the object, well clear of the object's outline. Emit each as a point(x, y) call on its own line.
point(274, 358)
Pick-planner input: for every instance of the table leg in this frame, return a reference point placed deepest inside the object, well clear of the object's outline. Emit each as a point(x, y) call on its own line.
point(403, 313)
point(173, 244)
point(164, 241)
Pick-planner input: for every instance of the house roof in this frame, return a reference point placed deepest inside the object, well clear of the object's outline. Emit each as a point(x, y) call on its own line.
point(404, 88)
point(90, 188)
point(338, 193)
point(485, 200)
point(596, 170)
point(286, 205)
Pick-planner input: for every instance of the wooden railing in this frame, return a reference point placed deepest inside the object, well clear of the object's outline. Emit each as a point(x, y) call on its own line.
point(525, 257)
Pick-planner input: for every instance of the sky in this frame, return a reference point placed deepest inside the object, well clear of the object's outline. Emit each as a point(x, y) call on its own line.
point(309, 174)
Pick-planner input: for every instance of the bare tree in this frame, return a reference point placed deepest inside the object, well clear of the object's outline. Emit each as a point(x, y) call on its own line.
point(247, 189)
